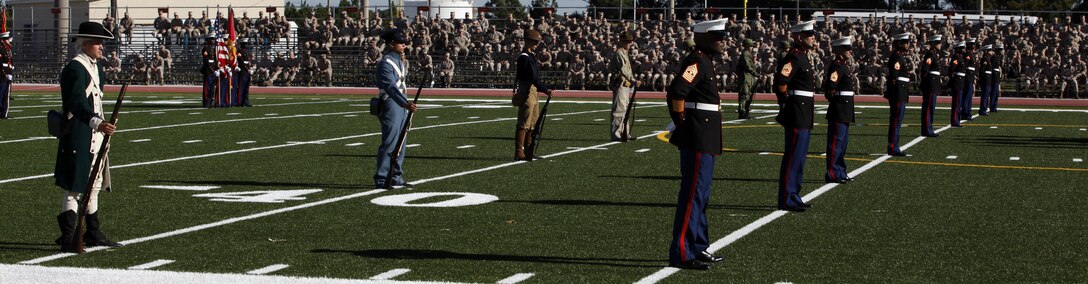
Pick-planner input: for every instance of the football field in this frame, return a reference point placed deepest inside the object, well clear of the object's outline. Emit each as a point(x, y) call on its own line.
point(283, 192)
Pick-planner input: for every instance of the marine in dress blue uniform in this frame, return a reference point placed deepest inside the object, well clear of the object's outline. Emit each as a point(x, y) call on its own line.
point(243, 75)
point(81, 93)
point(695, 109)
point(6, 74)
point(998, 61)
point(986, 79)
point(839, 91)
point(390, 75)
point(957, 73)
point(930, 73)
point(970, 61)
point(795, 85)
point(207, 69)
point(896, 90)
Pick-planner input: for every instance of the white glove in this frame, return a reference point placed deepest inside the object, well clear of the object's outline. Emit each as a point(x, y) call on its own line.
point(236, 69)
point(216, 73)
point(9, 77)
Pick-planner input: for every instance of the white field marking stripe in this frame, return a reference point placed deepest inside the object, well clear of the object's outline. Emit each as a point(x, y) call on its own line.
point(291, 145)
point(747, 229)
point(268, 269)
point(44, 274)
point(515, 278)
point(181, 187)
point(210, 225)
point(200, 108)
point(1078, 160)
point(28, 139)
point(152, 264)
point(643, 150)
point(390, 274)
point(465, 146)
point(245, 142)
point(191, 141)
point(139, 140)
point(214, 122)
point(307, 205)
point(951, 157)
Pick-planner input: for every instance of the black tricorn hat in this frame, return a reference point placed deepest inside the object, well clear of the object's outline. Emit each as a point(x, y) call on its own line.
point(92, 30)
point(392, 35)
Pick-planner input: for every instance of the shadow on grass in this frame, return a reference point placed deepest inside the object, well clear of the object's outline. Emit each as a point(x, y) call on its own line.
point(268, 184)
point(428, 157)
point(640, 204)
point(12, 246)
point(1033, 142)
point(449, 255)
point(544, 136)
point(677, 178)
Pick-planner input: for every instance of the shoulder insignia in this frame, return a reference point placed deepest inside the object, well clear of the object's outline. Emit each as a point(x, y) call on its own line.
point(929, 61)
point(897, 66)
point(691, 72)
point(835, 76)
point(787, 69)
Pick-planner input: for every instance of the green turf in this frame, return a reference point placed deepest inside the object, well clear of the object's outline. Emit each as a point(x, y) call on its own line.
point(585, 216)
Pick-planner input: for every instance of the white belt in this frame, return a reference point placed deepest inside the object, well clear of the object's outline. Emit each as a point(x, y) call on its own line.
point(938, 73)
point(846, 93)
point(703, 106)
point(802, 93)
point(903, 79)
point(961, 74)
point(988, 72)
point(997, 69)
point(971, 68)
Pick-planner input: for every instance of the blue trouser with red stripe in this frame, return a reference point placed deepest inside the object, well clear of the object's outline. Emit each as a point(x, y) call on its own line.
point(895, 120)
point(996, 92)
point(984, 99)
point(210, 87)
point(689, 229)
point(792, 172)
point(837, 137)
point(5, 97)
point(929, 104)
point(957, 94)
point(966, 100)
point(224, 91)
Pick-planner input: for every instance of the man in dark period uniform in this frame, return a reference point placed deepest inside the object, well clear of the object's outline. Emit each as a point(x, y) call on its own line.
point(391, 73)
point(81, 92)
point(525, 96)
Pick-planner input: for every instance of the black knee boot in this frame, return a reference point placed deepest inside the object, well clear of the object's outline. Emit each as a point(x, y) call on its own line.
point(94, 235)
point(67, 223)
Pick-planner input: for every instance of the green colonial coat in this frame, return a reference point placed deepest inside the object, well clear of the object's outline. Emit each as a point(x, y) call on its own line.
point(73, 167)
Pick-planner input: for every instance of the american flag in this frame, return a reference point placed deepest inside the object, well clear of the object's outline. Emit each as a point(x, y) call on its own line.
point(225, 52)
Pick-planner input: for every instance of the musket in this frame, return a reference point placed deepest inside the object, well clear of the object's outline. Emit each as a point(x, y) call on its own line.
point(539, 128)
point(629, 113)
point(397, 152)
point(96, 169)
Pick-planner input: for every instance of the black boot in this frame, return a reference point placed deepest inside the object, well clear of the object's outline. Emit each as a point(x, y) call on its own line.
point(94, 235)
point(67, 223)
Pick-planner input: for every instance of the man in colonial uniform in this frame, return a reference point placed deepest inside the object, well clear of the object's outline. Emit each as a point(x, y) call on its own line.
point(81, 92)
point(794, 85)
point(391, 73)
point(896, 92)
point(695, 109)
point(746, 79)
point(839, 91)
point(931, 83)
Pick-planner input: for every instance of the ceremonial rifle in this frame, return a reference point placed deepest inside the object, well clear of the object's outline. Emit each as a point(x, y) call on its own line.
point(397, 152)
point(96, 169)
point(539, 128)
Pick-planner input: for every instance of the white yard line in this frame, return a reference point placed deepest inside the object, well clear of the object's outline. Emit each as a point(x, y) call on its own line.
point(151, 265)
point(159, 111)
point(515, 278)
point(390, 274)
point(291, 145)
point(42, 274)
point(747, 229)
point(268, 269)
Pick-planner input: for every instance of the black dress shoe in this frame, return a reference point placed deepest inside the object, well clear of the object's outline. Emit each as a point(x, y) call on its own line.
point(806, 205)
point(849, 179)
point(708, 258)
point(692, 264)
point(899, 154)
point(792, 209)
point(932, 135)
point(835, 180)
